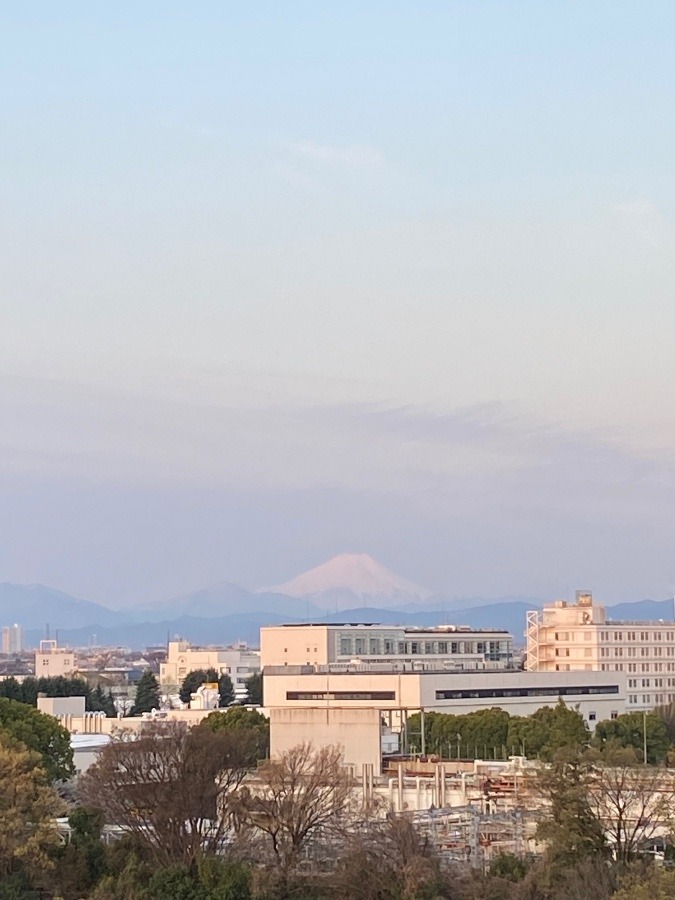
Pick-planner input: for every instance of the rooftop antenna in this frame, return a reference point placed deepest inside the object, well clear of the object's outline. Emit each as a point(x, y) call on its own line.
point(47, 631)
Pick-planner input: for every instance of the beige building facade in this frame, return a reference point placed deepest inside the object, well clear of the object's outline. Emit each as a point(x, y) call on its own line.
point(598, 695)
point(238, 662)
point(52, 661)
point(343, 645)
point(577, 637)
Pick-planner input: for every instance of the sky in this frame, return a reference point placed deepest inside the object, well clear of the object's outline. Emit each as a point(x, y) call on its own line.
point(286, 280)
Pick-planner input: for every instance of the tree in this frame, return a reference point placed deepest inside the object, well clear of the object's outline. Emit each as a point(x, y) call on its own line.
point(656, 884)
point(297, 794)
point(630, 801)
point(627, 730)
point(249, 723)
point(100, 702)
point(40, 733)
point(170, 787)
point(81, 864)
point(58, 686)
point(29, 806)
point(147, 694)
point(254, 689)
point(388, 860)
point(194, 680)
point(571, 829)
point(226, 691)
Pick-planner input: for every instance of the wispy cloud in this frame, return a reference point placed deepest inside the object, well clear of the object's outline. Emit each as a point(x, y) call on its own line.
point(355, 155)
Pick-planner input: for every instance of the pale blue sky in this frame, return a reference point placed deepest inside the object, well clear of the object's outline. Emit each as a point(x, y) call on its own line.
point(283, 280)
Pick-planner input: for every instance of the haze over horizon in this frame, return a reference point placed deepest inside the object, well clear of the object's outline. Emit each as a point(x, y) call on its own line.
point(288, 281)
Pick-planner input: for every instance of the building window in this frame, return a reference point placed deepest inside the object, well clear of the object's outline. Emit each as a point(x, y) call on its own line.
point(591, 717)
point(340, 695)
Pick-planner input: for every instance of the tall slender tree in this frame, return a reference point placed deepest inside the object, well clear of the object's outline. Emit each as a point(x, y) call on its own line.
point(147, 694)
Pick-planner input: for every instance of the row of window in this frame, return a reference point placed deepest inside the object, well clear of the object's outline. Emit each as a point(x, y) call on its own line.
point(643, 636)
point(651, 699)
point(375, 646)
point(632, 651)
point(634, 667)
point(647, 682)
point(582, 690)
point(340, 695)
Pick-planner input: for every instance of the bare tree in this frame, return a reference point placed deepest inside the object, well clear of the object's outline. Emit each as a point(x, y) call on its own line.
point(632, 802)
point(296, 796)
point(170, 787)
point(388, 858)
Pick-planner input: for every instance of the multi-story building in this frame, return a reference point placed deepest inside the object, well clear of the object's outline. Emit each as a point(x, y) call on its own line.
point(572, 637)
point(52, 660)
point(12, 639)
point(442, 647)
point(238, 662)
point(325, 705)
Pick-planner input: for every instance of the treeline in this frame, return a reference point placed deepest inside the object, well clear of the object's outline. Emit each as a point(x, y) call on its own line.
point(189, 826)
point(26, 691)
point(494, 734)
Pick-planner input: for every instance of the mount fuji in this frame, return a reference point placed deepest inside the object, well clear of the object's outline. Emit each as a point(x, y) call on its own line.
point(352, 580)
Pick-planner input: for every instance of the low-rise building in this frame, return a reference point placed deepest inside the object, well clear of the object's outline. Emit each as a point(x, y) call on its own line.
point(326, 705)
point(441, 647)
point(52, 661)
point(238, 662)
point(578, 637)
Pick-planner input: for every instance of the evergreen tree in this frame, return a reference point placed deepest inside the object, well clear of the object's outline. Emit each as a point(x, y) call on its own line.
point(100, 702)
point(571, 829)
point(226, 691)
point(147, 694)
point(194, 680)
point(245, 722)
point(254, 689)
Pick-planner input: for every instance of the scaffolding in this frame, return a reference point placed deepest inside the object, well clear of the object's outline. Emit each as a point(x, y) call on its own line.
point(532, 661)
point(466, 836)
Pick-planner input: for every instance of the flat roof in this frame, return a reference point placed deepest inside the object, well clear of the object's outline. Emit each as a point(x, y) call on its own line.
point(413, 629)
point(369, 671)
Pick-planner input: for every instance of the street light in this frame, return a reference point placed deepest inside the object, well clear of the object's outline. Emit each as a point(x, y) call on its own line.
point(459, 740)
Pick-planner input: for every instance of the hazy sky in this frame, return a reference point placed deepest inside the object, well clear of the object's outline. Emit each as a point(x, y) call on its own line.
point(284, 280)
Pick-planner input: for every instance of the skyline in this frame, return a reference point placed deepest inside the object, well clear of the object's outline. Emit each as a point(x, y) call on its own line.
point(287, 283)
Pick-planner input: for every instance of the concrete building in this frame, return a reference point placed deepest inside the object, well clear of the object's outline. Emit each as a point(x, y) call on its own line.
point(328, 706)
point(238, 662)
point(52, 660)
point(12, 639)
point(442, 647)
point(578, 637)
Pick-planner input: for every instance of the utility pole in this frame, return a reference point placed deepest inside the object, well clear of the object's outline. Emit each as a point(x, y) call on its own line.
point(644, 737)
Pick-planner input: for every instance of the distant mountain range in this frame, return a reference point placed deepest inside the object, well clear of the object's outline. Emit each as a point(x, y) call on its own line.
point(349, 588)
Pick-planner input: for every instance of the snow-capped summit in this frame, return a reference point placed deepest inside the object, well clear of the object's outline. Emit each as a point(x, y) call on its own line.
point(352, 579)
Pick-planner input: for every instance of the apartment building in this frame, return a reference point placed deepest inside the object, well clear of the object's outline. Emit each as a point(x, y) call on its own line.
point(12, 639)
point(348, 644)
point(238, 662)
point(572, 637)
